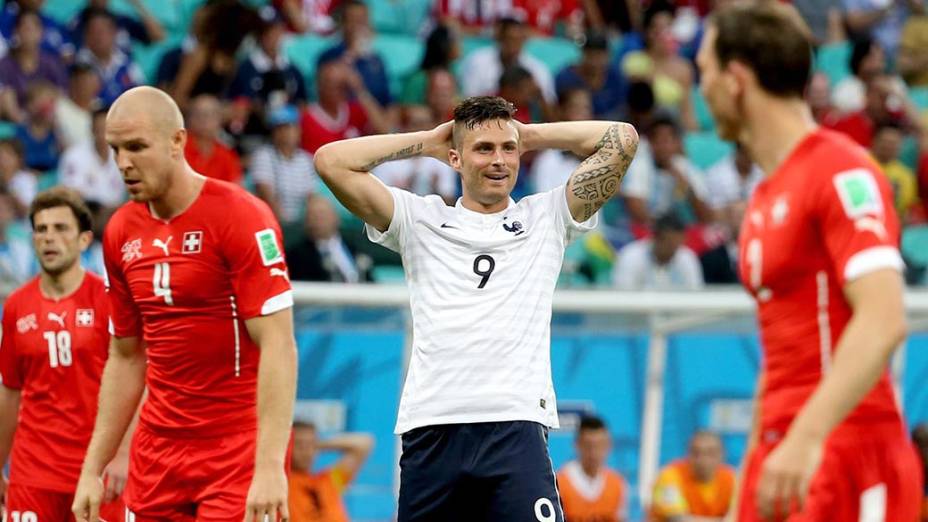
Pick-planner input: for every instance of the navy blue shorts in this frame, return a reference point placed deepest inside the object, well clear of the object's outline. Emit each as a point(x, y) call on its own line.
point(491, 471)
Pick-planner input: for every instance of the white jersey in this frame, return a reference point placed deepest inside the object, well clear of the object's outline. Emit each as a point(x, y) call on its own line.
point(480, 290)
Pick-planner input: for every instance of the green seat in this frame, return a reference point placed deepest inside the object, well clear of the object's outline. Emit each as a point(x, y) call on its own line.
point(401, 54)
point(398, 16)
point(47, 180)
point(703, 114)
point(148, 57)
point(168, 16)
point(915, 245)
point(303, 51)
point(62, 11)
point(908, 154)
point(555, 52)
point(7, 129)
point(705, 148)
point(833, 59)
point(919, 96)
point(390, 274)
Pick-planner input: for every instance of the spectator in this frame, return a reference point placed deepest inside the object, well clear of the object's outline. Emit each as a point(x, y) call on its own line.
point(819, 98)
point(866, 63)
point(659, 263)
point(146, 29)
point(72, 112)
point(205, 63)
point(730, 183)
point(117, 72)
point(89, 167)
point(322, 254)
point(482, 69)
point(16, 257)
point(594, 72)
point(27, 63)
point(912, 58)
point(621, 17)
point(317, 496)
point(356, 49)
point(671, 76)
point(887, 143)
point(544, 16)
point(589, 489)
point(422, 175)
point(886, 101)
point(55, 38)
point(920, 438)
point(205, 151)
point(661, 179)
point(824, 19)
point(265, 79)
point(442, 48)
point(517, 86)
point(335, 116)
point(18, 182)
point(879, 19)
point(472, 18)
point(441, 94)
point(308, 16)
point(699, 487)
point(92, 258)
point(640, 107)
point(282, 172)
point(37, 132)
point(551, 167)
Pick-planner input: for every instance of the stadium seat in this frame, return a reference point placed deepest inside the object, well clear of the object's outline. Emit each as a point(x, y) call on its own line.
point(556, 53)
point(401, 55)
point(47, 180)
point(169, 18)
point(832, 59)
point(908, 154)
point(915, 245)
point(703, 115)
point(389, 274)
point(705, 148)
point(919, 96)
point(62, 10)
point(399, 16)
point(7, 129)
point(303, 50)
point(148, 57)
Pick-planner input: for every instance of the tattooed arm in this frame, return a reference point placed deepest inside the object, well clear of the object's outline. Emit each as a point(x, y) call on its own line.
point(608, 148)
point(345, 167)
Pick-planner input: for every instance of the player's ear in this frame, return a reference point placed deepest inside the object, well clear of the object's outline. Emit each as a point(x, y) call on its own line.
point(454, 159)
point(739, 75)
point(179, 141)
point(85, 239)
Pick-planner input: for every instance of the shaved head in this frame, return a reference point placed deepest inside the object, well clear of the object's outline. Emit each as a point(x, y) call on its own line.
point(148, 102)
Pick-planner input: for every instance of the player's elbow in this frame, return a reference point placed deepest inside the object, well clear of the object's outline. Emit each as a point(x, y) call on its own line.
point(628, 140)
point(324, 161)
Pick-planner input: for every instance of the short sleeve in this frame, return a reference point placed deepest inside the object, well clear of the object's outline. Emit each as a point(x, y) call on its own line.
point(856, 218)
point(253, 249)
point(572, 228)
point(404, 205)
point(125, 317)
point(10, 370)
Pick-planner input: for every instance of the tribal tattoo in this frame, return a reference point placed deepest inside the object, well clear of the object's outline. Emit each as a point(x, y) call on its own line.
point(598, 176)
point(407, 152)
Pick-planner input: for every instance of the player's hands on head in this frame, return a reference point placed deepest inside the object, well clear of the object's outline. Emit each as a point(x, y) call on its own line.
point(786, 476)
point(87, 498)
point(115, 475)
point(267, 497)
point(440, 141)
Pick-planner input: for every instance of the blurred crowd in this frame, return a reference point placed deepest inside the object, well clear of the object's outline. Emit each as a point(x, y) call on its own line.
point(264, 84)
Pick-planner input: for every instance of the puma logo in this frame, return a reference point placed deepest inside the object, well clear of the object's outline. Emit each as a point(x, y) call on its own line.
point(279, 272)
point(163, 245)
point(57, 318)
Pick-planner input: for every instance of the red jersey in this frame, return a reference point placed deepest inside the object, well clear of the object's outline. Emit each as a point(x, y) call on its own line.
point(186, 286)
point(544, 15)
point(54, 353)
point(822, 219)
point(319, 128)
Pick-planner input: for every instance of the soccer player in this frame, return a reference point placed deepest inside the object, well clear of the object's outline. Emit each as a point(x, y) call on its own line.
point(478, 398)
point(202, 316)
point(819, 254)
point(698, 488)
point(52, 354)
point(590, 490)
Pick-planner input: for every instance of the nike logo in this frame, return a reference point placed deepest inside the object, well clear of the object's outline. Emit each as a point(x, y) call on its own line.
point(446, 225)
point(163, 245)
point(279, 273)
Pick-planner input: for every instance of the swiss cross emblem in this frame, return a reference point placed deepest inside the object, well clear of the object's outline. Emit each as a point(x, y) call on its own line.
point(193, 242)
point(84, 317)
point(131, 250)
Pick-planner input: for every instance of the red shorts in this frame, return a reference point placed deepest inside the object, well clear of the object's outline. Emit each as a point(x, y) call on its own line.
point(172, 479)
point(28, 504)
point(867, 473)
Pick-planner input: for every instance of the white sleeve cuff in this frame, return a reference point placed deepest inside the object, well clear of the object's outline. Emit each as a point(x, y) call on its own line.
point(871, 260)
point(277, 303)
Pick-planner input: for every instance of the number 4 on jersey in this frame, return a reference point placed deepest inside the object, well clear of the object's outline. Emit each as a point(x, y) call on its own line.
point(161, 282)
